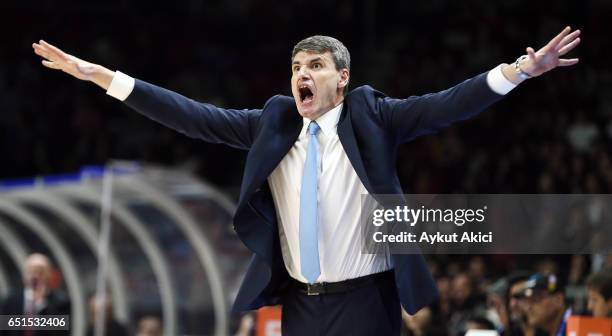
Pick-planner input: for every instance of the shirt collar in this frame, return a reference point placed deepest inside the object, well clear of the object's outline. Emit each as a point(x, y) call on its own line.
point(327, 121)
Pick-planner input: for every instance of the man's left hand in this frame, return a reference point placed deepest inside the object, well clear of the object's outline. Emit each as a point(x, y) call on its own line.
point(549, 56)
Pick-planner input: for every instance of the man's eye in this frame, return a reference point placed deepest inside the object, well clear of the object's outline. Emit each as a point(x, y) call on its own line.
point(317, 66)
point(295, 69)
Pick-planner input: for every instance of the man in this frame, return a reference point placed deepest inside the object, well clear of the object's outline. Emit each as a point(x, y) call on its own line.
point(545, 307)
point(311, 156)
point(599, 293)
point(103, 307)
point(466, 303)
point(36, 298)
point(517, 323)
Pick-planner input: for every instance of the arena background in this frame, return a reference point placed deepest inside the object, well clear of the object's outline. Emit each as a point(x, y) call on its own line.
point(551, 135)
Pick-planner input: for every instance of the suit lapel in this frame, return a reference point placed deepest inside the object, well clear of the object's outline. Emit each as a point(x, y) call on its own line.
point(278, 137)
point(265, 155)
point(346, 134)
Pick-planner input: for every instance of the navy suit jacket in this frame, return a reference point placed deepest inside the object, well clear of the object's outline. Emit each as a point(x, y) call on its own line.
point(371, 127)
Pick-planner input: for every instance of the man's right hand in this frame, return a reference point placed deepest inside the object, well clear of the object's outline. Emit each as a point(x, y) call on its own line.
point(55, 58)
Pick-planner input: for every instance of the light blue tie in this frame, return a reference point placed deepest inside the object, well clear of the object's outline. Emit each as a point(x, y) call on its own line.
point(309, 209)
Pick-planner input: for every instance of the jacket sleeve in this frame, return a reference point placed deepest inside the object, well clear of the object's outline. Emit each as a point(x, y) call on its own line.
point(420, 115)
point(235, 128)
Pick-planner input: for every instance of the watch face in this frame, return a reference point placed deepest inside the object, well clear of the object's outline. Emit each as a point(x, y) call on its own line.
point(522, 74)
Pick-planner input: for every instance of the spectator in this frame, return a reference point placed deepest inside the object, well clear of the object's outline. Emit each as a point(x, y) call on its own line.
point(465, 302)
point(444, 288)
point(517, 306)
point(111, 326)
point(496, 301)
point(36, 298)
point(477, 270)
point(545, 307)
point(599, 291)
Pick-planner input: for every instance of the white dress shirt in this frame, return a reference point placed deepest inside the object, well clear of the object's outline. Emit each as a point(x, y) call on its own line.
point(340, 191)
point(31, 306)
point(339, 194)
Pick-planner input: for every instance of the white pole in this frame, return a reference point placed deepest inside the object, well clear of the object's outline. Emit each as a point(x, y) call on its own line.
point(103, 247)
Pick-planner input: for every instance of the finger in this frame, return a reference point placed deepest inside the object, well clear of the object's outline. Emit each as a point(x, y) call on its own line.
point(568, 62)
point(50, 46)
point(50, 64)
point(568, 39)
point(47, 58)
point(42, 53)
point(38, 47)
point(569, 47)
point(53, 49)
point(531, 54)
point(46, 52)
point(41, 46)
point(558, 38)
point(40, 50)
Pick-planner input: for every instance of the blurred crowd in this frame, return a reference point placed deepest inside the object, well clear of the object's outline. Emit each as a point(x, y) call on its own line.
point(474, 295)
point(551, 135)
point(534, 300)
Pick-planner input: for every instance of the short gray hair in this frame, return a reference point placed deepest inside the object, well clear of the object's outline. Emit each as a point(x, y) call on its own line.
point(321, 44)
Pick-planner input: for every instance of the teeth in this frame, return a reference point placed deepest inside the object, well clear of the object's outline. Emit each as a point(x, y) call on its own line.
point(305, 92)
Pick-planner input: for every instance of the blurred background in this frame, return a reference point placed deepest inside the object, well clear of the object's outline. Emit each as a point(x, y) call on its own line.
point(553, 134)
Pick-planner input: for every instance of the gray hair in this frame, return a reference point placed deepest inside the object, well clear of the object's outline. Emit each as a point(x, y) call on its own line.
point(321, 44)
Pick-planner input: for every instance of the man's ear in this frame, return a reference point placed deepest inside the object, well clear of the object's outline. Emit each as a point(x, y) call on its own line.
point(344, 78)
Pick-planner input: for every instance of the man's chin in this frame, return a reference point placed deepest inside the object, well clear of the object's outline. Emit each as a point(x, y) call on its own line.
point(307, 112)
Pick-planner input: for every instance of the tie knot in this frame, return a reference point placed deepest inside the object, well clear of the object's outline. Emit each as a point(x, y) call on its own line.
point(313, 128)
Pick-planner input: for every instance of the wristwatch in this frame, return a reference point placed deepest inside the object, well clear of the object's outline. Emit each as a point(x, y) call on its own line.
point(517, 68)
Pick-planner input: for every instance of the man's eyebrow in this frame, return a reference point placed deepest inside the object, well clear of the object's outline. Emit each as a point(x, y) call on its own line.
point(316, 59)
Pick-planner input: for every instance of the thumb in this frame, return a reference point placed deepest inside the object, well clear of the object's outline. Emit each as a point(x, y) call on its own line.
point(531, 53)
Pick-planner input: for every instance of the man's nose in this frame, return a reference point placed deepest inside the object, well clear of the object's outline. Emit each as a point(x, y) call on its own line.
point(303, 73)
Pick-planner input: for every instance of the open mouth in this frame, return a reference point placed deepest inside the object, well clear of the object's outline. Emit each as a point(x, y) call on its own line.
point(306, 95)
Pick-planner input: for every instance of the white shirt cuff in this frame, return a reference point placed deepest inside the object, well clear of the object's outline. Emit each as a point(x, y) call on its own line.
point(121, 86)
point(498, 82)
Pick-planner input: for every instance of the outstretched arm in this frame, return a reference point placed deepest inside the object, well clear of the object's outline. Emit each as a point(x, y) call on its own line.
point(234, 128)
point(419, 115)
